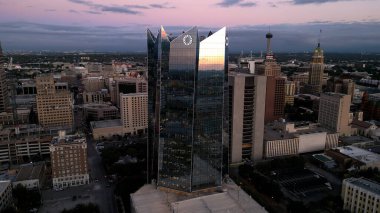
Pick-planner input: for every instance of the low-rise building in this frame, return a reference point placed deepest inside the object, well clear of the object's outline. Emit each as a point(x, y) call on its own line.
point(69, 160)
point(281, 139)
point(232, 198)
point(360, 195)
point(97, 112)
point(365, 158)
point(31, 176)
point(5, 194)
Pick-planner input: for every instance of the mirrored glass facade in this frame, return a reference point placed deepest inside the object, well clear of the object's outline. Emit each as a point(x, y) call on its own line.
point(189, 97)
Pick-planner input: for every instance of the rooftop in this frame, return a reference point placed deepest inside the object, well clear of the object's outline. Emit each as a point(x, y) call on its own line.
point(68, 139)
point(29, 172)
point(361, 155)
point(106, 123)
point(231, 199)
point(365, 184)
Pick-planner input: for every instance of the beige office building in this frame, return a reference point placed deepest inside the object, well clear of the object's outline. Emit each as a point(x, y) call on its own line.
point(360, 195)
point(134, 112)
point(54, 106)
point(93, 84)
point(334, 112)
point(317, 67)
point(246, 111)
point(69, 160)
point(290, 89)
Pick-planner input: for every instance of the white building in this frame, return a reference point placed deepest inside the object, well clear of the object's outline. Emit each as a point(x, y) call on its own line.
point(367, 158)
point(360, 195)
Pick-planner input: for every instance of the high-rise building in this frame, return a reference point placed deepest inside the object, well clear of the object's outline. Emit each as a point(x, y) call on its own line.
point(69, 160)
point(317, 67)
point(1, 51)
point(246, 109)
point(4, 99)
point(54, 104)
point(334, 110)
point(6, 198)
point(134, 112)
point(360, 195)
point(290, 90)
point(128, 86)
point(275, 91)
point(339, 85)
point(187, 80)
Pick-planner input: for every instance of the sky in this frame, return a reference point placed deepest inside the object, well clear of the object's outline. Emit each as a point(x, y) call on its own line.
point(120, 25)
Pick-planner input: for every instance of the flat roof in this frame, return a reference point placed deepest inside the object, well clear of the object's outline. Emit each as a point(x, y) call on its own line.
point(359, 154)
point(232, 199)
point(323, 158)
point(106, 123)
point(365, 184)
point(29, 172)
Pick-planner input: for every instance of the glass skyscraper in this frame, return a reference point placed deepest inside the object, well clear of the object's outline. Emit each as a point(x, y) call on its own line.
point(187, 79)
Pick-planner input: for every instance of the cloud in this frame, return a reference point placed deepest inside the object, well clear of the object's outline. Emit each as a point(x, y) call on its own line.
point(73, 11)
point(162, 6)
point(50, 10)
point(124, 9)
point(93, 12)
point(240, 3)
point(336, 37)
point(316, 1)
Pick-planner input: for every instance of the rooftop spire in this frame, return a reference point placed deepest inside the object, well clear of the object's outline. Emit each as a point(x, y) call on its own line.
point(269, 36)
point(319, 38)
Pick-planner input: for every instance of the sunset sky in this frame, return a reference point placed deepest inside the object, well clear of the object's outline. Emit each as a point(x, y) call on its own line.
point(120, 25)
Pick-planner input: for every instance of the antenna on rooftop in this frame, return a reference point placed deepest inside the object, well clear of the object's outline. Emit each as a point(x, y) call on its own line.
point(319, 38)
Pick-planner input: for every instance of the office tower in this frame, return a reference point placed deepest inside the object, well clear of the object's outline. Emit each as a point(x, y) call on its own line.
point(360, 195)
point(334, 110)
point(246, 109)
point(275, 91)
point(127, 86)
point(290, 89)
point(339, 85)
point(275, 99)
point(317, 67)
point(187, 79)
point(54, 104)
point(4, 99)
point(134, 112)
point(69, 160)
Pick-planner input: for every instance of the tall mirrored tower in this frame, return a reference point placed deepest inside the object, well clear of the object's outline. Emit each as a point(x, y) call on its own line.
point(187, 80)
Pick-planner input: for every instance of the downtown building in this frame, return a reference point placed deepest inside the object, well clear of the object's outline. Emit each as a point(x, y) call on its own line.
point(317, 67)
point(54, 104)
point(187, 116)
point(246, 110)
point(69, 160)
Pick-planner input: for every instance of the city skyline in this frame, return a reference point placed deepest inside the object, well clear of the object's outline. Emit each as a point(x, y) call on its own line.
point(92, 25)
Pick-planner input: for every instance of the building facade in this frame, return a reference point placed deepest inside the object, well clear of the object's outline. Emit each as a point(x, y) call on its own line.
point(6, 198)
point(188, 77)
point(334, 111)
point(54, 105)
point(290, 90)
point(247, 110)
point(4, 98)
point(69, 160)
point(134, 112)
point(360, 195)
